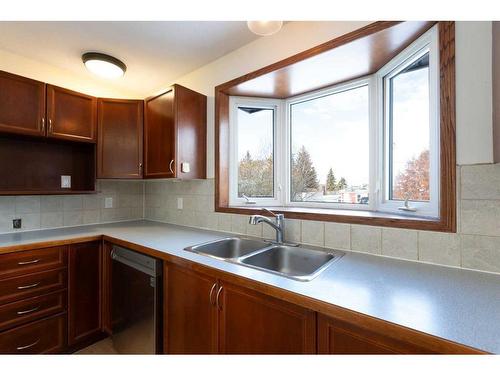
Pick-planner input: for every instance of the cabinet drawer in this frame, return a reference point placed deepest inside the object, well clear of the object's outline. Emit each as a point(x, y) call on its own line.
point(24, 262)
point(25, 311)
point(35, 284)
point(43, 336)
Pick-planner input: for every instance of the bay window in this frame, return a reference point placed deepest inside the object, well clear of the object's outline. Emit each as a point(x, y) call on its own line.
point(368, 144)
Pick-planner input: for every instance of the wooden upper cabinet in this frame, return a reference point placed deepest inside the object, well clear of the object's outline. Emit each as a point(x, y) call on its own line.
point(254, 323)
point(190, 315)
point(175, 134)
point(22, 105)
point(119, 142)
point(71, 115)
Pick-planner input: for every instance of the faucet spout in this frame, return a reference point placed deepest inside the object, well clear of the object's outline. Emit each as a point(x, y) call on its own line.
point(278, 224)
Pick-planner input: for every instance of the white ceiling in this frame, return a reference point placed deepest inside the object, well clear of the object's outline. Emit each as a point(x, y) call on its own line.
point(156, 53)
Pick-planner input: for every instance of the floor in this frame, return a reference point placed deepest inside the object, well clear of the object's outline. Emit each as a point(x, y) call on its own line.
point(101, 347)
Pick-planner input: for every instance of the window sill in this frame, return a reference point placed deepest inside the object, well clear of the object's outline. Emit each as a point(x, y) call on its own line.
point(382, 219)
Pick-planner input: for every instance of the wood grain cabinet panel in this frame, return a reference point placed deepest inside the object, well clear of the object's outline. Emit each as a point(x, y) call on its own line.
point(190, 318)
point(30, 309)
point(175, 133)
point(119, 151)
point(253, 323)
point(338, 337)
point(34, 284)
point(24, 262)
point(22, 105)
point(71, 115)
point(84, 310)
point(40, 337)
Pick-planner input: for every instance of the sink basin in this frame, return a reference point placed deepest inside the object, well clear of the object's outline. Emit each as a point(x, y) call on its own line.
point(229, 248)
point(294, 262)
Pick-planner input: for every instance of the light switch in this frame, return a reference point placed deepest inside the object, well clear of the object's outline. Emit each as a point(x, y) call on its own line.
point(108, 202)
point(66, 182)
point(185, 168)
point(180, 203)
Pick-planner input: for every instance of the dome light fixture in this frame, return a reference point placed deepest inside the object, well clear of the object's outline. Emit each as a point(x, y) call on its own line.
point(103, 65)
point(264, 28)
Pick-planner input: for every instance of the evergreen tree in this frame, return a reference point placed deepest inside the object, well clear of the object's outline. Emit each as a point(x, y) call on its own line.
point(304, 176)
point(342, 184)
point(331, 182)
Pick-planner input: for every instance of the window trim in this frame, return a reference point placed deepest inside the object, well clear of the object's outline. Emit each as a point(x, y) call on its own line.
point(447, 219)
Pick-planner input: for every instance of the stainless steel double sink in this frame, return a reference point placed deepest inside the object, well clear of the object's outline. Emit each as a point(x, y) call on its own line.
point(290, 261)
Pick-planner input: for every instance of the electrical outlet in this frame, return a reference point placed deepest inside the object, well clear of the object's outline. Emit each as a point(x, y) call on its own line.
point(185, 168)
point(108, 202)
point(66, 182)
point(180, 203)
point(17, 223)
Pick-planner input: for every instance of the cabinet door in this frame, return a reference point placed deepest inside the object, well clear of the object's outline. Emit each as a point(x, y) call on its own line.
point(191, 128)
point(22, 105)
point(71, 115)
point(119, 138)
point(338, 337)
point(84, 310)
point(253, 323)
point(159, 136)
point(190, 317)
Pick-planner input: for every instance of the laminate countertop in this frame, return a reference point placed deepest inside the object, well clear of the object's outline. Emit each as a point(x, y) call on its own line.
point(455, 304)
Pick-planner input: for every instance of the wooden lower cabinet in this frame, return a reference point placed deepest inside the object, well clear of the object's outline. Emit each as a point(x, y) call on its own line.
point(253, 323)
point(203, 314)
point(40, 337)
point(84, 284)
point(338, 337)
point(190, 317)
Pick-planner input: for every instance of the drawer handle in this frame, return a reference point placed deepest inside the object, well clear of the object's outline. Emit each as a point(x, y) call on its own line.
point(28, 346)
point(28, 311)
point(28, 286)
point(28, 262)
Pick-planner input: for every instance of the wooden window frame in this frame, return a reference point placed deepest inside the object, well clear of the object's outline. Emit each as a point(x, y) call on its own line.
point(447, 207)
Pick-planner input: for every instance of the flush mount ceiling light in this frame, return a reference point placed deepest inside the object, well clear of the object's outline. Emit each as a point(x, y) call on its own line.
point(264, 28)
point(104, 65)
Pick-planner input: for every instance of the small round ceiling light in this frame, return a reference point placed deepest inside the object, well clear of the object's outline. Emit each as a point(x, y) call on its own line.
point(264, 28)
point(103, 65)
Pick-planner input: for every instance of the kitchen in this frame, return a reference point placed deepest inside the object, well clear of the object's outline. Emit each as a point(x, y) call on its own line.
point(260, 187)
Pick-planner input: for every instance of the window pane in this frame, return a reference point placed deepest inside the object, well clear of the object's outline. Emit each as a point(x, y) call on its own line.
point(329, 148)
point(409, 132)
point(255, 152)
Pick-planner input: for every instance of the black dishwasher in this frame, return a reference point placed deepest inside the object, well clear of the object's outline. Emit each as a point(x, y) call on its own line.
point(136, 308)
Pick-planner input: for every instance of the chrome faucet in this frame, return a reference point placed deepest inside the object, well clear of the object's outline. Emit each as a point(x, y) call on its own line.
point(278, 224)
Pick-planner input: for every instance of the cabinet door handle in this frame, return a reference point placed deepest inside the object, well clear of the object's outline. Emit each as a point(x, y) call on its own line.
point(50, 125)
point(28, 346)
point(219, 305)
point(28, 311)
point(28, 262)
point(212, 302)
point(27, 286)
point(170, 166)
point(43, 124)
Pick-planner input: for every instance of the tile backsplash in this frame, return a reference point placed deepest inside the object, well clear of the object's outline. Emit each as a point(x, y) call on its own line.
point(476, 245)
point(54, 211)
